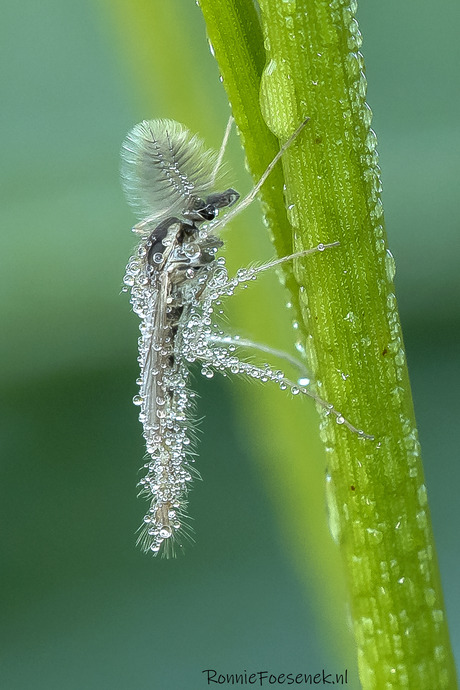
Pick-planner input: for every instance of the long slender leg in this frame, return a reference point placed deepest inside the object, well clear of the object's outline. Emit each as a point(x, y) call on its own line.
point(223, 361)
point(223, 146)
point(249, 198)
point(276, 262)
point(260, 347)
point(243, 275)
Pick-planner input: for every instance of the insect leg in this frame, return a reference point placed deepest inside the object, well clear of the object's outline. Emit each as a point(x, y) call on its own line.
point(223, 146)
point(249, 198)
point(243, 275)
point(223, 361)
point(260, 347)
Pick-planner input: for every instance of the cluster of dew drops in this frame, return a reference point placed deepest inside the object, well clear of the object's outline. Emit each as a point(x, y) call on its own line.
point(198, 338)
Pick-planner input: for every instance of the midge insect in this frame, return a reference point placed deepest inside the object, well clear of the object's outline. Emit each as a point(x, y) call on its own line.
point(177, 284)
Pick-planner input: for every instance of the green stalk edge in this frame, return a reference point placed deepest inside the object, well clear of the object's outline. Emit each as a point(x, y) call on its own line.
point(303, 58)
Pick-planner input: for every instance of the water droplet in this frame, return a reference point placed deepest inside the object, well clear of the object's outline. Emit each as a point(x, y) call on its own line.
point(375, 535)
point(287, 7)
point(366, 112)
point(422, 521)
point(350, 317)
point(390, 266)
point(438, 615)
point(400, 357)
point(191, 250)
point(354, 39)
point(352, 65)
point(377, 211)
point(422, 495)
point(293, 215)
point(440, 654)
point(380, 245)
point(398, 393)
point(367, 626)
point(299, 346)
point(371, 140)
point(391, 301)
point(332, 510)
point(276, 84)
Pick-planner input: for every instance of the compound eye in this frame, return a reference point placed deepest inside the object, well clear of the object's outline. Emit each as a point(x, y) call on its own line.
point(208, 212)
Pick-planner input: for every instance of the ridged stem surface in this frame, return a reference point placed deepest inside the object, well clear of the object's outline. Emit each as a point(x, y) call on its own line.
point(377, 497)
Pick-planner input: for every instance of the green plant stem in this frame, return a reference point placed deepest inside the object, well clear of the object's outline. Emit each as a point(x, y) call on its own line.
point(236, 37)
point(376, 491)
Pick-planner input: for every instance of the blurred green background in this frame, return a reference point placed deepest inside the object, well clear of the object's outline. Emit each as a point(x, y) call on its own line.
point(81, 606)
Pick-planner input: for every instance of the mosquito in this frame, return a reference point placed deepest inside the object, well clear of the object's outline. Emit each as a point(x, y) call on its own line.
point(177, 283)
